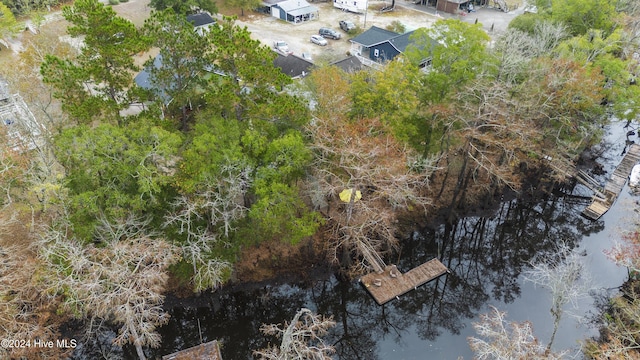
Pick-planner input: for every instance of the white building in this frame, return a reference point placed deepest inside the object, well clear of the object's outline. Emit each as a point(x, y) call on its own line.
point(291, 11)
point(355, 6)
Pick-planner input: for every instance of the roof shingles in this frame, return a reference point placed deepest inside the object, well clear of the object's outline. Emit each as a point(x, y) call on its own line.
point(374, 36)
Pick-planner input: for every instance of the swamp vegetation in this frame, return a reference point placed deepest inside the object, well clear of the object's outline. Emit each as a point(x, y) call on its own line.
point(227, 156)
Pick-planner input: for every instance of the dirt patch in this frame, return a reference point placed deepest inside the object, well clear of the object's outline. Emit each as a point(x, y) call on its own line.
point(136, 11)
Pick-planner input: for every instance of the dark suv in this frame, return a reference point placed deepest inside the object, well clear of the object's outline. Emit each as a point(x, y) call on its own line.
point(347, 26)
point(329, 33)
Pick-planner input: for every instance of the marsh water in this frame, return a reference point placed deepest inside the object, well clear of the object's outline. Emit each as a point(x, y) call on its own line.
point(487, 256)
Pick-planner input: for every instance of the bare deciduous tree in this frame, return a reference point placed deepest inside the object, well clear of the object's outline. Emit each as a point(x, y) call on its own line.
point(564, 275)
point(365, 157)
point(219, 201)
point(505, 340)
point(301, 339)
point(626, 252)
point(214, 207)
point(121, 282)
point(24, 312)
point(207, 273)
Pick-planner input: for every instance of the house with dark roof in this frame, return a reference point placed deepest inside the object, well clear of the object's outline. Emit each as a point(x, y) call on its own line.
point(292, 11)
point(376, 46)
point(201, 22)
point(349, 65)
point(293, 66)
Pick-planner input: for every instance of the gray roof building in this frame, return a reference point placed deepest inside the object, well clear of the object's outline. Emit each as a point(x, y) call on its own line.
point(292, 65)
point(373, 36)
point(200, 19)
point(350, 64)
point(376, 46)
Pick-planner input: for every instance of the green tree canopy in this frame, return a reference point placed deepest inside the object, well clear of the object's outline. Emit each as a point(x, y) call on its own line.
point(184, 7)
point(180, 74)
point(251, 83)
point(603, 54)
point(457, 51)
point(582, 15)
point(115, 171)
point(244, 4)
point(102, 74)
point(8, 23)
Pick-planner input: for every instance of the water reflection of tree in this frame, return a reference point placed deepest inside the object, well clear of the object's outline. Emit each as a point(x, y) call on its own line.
point(485, 254)
point(234, 318)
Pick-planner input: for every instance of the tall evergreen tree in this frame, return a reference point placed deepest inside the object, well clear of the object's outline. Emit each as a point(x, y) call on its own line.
point(178, 73)
point(97, 82)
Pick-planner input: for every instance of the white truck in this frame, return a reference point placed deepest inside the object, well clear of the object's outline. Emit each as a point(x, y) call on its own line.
point(282, 47)
point(354, 6)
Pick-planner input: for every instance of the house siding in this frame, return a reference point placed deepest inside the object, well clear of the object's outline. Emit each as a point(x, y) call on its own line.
point(385, 52)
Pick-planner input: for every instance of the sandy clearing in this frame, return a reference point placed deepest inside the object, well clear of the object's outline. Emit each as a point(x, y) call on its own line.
point(268, 29)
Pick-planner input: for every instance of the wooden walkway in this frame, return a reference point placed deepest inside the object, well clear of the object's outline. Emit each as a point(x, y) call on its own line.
point(391, 283)
point(601, 204)
point(206, 351)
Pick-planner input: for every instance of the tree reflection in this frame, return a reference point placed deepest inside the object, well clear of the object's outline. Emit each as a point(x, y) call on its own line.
point(486, 256)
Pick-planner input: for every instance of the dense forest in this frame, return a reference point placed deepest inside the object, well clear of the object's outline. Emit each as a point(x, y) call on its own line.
point(134, 188)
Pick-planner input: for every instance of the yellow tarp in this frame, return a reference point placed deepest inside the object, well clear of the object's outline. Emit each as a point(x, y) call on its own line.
point(345, 195)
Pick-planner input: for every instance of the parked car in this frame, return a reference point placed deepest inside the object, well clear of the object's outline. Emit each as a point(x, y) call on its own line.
point(347, 26)
point(318, 40)
point(329, 33)
point(282, 47)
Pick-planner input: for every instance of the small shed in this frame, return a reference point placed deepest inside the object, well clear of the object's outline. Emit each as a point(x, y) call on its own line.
point(206, 351)
point(450, 6)
point(294, 11)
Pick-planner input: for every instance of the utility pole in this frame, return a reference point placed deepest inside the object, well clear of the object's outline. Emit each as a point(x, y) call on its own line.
point(366, 8)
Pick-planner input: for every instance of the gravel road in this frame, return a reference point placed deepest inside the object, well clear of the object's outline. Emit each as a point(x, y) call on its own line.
point(268, 29)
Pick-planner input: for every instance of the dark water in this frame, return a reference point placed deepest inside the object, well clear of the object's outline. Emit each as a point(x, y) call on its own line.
point(486, 255)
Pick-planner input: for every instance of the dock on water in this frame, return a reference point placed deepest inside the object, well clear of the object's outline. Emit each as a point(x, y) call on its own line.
point(601, 204)
point(391, 283)
point(206, 351)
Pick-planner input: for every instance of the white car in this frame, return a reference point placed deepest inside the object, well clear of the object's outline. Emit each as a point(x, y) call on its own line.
point(318, 40)
point(282, 47)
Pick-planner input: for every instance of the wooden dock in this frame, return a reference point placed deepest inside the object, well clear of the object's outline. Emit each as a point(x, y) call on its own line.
point(600, 205)
point(391, 283)
point(206, 351)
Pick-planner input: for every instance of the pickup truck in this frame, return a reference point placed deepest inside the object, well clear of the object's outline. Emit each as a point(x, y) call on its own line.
point(282, 47)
